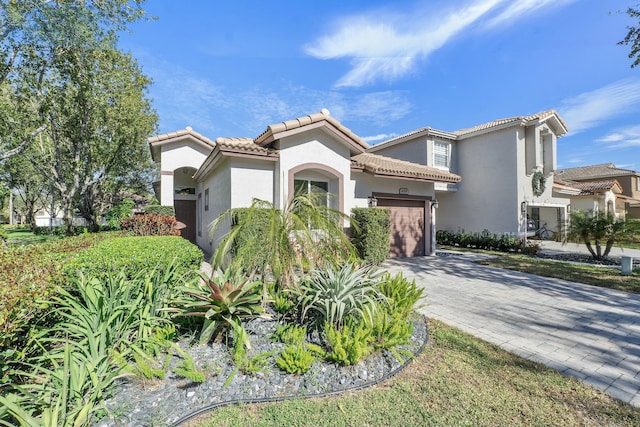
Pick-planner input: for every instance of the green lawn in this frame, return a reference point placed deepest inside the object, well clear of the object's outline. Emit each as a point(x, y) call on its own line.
point(590, 275)
point(458, 380)
point(22, 236)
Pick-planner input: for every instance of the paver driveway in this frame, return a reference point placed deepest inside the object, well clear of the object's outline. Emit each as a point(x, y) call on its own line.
point(584, 331)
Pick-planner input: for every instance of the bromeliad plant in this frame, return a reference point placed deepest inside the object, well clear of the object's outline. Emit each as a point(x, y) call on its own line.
point(222, 300)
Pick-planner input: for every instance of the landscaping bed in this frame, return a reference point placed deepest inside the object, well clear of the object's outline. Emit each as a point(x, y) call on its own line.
point(138, 402)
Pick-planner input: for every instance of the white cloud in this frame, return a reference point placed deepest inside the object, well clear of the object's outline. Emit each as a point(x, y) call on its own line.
point(389, 47)
point(590, 109)
point(385, 45)
point(516, 9)
point(622, 138)
point(379, 137)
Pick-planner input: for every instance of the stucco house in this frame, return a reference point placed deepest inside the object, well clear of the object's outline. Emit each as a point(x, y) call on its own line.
point(604, 188)
point(507, 168)
point(202, 177)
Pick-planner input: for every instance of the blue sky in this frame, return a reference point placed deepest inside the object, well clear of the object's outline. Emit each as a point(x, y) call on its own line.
point(384, 68)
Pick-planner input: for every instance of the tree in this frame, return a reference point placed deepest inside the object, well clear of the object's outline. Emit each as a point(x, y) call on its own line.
point(31, 188)
point(306, 234)
point(98, 118)
point(35, 35)
point(632, 38)
point(598, 229)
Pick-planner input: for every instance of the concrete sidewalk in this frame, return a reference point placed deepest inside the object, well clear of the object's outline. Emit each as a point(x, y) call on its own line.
point(584, 331)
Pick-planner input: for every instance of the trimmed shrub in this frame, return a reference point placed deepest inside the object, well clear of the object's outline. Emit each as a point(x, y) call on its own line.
point(484, 240)
point(150, 225)
point(160, 210)
point(371, 237)
point(29, 274)
point(131, 254)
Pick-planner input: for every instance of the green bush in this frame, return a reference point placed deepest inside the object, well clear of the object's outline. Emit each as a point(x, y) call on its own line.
point(160, 210)
point(30, 273)
point(371, 236)
point(132, 254)
point(483, 240)
point(290, 333)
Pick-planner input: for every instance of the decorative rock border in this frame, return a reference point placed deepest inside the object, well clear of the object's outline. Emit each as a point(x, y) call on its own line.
point(174, 400)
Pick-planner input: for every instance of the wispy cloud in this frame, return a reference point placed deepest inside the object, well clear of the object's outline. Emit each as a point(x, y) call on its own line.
point(385, 45)
point(623, 138)
point(590, 109)
point(514, 10)
point(389, 47)
point(183, 98)
point(379, 137)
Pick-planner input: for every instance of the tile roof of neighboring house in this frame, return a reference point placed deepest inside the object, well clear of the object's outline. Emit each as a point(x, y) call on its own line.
point(385, 166)
point(524, 120)
point(595, 171)
point(591, 187)
point(272, 131)
point(485, 127)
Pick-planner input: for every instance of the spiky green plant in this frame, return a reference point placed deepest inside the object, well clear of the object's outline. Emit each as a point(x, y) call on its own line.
point(349, 344)
point(335, 294)
point(296, 359)
point(221, 300)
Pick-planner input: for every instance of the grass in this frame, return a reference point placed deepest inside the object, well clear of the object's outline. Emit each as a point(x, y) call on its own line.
point(25, 236)
point(458, 380)
point(587, 274)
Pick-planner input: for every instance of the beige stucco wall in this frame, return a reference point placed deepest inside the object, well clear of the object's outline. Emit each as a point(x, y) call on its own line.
point(316, 147)
point(219, 184)
point(415, 151)
point(174, 156)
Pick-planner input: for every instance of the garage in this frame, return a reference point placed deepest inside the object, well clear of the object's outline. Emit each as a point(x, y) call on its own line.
point(407, 219)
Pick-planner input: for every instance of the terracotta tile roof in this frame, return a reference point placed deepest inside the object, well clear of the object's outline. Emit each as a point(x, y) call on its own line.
point(595, 171)
point(592, 187)
point(270, 133)
point(459, 134)
point(386, 166)
point(246, 145)
point(524, 120)
point(153, 140)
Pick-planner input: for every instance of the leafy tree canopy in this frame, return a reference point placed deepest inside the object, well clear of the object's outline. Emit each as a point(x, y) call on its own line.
point(632, 38)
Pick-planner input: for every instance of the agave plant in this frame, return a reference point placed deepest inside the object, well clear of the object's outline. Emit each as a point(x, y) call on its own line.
point(336, 294)
point(223, 299)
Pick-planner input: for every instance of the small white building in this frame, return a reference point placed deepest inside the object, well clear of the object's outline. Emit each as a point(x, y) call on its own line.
point(203, 178)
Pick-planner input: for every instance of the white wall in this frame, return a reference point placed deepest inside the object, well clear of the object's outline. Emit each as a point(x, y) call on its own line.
point(487, 196)
point(176, 155)
point(251, 179)
point(219, 184)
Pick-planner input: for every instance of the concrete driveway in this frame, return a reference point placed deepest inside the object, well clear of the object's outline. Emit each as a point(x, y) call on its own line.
point(587, 332)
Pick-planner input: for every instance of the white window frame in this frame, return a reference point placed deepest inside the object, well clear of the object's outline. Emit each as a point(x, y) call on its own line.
point(440, 159)
point(311, 182)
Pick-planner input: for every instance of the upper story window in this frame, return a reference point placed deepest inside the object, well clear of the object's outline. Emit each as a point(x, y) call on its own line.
point(441, 154)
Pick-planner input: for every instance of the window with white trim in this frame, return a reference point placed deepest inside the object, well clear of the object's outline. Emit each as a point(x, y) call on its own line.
point(307, 186)
point(441, 154)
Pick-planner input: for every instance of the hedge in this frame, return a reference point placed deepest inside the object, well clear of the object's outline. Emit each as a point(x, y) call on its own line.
point(160, 210)
point(30, 273)
point(134, 253)
point(150, 225)
point(371, 236)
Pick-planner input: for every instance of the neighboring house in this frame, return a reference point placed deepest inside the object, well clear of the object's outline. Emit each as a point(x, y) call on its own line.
point(507, 168)
point(604, 188)
point(203, 178)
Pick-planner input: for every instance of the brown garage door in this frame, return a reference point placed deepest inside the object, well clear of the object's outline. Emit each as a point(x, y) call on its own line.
point(407, 227)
